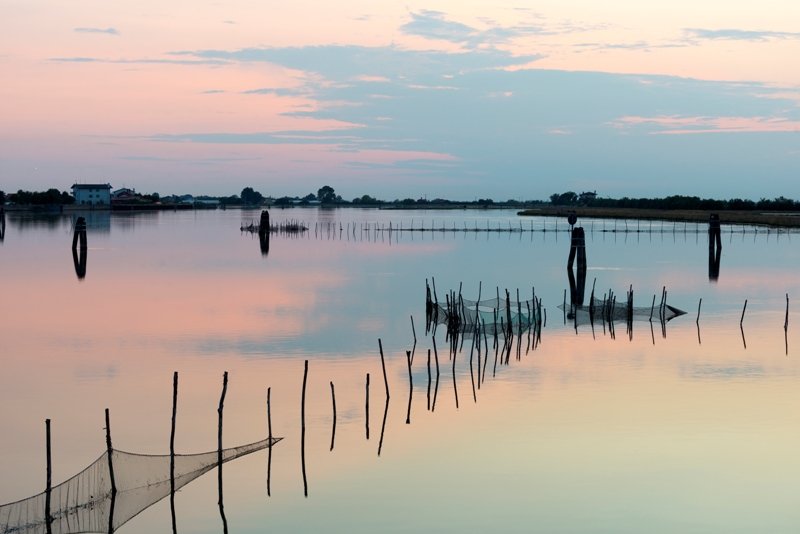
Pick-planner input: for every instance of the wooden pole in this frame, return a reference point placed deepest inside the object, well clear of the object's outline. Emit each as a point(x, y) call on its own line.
point(333, 399)
point(413, 330)
point(172, 452)
point(429, 379)
point(303, 430)
point(743, 310)
point(367, 408)
point(698, 311)
point(110, 450)
point(410, 387)
point(269, 429)
point(48, 516)
point(383, 366)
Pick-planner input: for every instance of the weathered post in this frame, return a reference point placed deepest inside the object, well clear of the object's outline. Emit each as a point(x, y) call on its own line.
point(303, 430)
point(48, 516)
point(269, 430)
point(333, 431)
point(172, 452)
point(367, 407)
point(383, 366)
point(219, 452)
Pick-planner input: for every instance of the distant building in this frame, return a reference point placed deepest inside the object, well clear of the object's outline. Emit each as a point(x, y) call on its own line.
point(587, 196)
point(92, 193)
point(121, 195)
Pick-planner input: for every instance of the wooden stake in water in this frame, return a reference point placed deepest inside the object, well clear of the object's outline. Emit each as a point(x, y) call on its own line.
point(269, 430)
point(47, 515)
point(172, 452)
point(367, 407)
point(698, 311)
point(743, 310)
point(383, 366)
point(303, 430)
point(333, 400)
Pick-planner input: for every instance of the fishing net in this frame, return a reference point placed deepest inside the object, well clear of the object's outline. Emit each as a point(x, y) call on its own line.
point(600, 310)
point(492, 316)
point(84, 503)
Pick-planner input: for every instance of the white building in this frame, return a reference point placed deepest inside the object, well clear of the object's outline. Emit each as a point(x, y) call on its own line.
point(92, 193)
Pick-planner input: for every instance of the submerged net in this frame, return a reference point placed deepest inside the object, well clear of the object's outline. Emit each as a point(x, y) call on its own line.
point(84, 503)
point(599, 311)
point(491, 316)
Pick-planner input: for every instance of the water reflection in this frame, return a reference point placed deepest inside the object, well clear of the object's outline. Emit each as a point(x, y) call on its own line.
point(79, 260)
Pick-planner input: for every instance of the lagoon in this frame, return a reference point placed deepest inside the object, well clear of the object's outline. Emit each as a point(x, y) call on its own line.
point(692, 431)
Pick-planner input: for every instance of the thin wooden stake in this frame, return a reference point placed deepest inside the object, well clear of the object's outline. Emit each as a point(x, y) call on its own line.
point(48, 516)
point(333, 400)
point(743, 310)
point(367, 407)
point(172, 452)
point(383, 366)
point(698, 311)
point(303, 430)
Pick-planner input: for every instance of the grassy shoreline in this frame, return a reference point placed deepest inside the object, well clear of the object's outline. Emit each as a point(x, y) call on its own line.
point(776, 219)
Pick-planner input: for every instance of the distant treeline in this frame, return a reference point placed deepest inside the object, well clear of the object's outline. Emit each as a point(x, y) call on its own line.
point(51, 196)
point(677, 202)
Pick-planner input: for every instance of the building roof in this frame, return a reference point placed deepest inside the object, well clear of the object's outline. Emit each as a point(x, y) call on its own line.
point(91, 186)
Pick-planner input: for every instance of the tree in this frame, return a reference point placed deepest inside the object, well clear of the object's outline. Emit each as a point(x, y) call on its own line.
point(249, 196)
point(564, 199)
point(326, 194)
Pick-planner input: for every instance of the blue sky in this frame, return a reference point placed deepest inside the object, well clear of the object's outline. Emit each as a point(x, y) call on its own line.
point(436, 103)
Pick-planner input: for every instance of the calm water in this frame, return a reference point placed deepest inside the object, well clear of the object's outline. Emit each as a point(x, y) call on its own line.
point(584, 434)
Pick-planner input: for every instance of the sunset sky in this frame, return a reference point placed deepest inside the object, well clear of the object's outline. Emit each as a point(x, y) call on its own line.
point(396, 99)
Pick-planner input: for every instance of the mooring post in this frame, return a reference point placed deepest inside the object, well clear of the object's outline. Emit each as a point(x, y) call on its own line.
point(383, 366)
point(48, 516)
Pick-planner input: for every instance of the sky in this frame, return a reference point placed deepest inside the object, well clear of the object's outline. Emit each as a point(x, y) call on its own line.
point(462, 100)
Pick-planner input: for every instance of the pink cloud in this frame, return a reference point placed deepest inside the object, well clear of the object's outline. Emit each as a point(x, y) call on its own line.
point(690, 125)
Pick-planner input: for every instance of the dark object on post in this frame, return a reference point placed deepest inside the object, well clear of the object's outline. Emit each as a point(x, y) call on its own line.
point(572, 218)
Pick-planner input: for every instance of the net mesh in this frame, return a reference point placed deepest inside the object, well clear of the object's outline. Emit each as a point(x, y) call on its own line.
point(84, 503)
point(493, 318)
point(600, 310)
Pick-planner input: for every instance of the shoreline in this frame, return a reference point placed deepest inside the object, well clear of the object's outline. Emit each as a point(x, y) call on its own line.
point(775, 219)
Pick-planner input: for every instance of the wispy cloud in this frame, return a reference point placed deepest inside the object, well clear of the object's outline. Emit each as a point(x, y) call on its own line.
point(435, 25)
point(212, 92)
point(695, 125)
point(109, 31)
point(143, 61)
point(695, 34)
point(228, 22)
